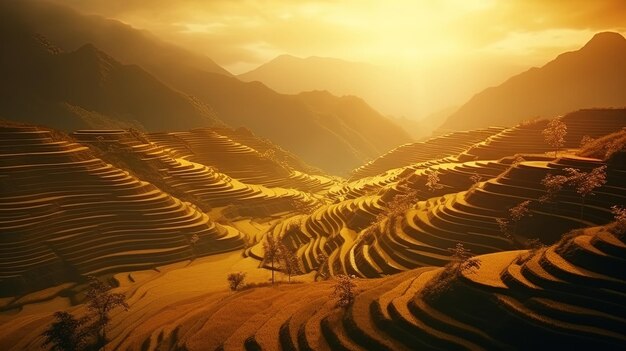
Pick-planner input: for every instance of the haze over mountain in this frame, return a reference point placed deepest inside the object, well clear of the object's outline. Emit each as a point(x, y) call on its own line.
point(594, 76)
point(410, 96)
point(253, 105)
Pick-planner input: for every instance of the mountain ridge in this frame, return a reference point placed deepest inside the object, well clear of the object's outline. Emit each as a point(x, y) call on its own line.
point(593, 76)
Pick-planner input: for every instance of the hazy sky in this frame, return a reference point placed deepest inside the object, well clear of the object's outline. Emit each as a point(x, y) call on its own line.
point(446, 50)
point(243, 34)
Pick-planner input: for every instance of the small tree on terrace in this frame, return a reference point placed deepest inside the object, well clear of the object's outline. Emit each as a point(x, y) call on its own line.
point(554, 134)
point(586, 140)
point(432, 182)
point(235, 280)
point(505, 228)
point(100, 303)
point(66, 333)
point(553, 184)
point(288, 261)
point(193, 240)
point(518, 212)
point(586, 182)
point(270, 248)
point(462, 260)
point(344, 290)
point(619, 215)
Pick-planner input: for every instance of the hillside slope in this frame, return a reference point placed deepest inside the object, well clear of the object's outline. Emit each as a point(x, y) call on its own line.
point(86, 88)
point(592, 77)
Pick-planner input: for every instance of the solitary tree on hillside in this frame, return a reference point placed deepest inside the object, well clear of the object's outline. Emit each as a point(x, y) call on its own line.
point(270, 247)
point(586, 182)
point(586, 140)
point(432, 182)
point(100, 303)
point(66, 333)
point(288, 261)
point(344, 290)
point(619, 215)
point(554, 134)
point(553, 184)
point(235, 280)
point(322, 259)
point(462, 259)
point(505, 228)
point(193, 240)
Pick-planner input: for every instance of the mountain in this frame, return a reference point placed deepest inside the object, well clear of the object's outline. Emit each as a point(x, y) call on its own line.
point(351, 116)
point(594, 76)
point(385, 90)
point(86, 88)
point(284, 119)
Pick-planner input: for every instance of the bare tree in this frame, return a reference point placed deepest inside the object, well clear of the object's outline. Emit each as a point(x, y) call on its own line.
point(432, 182)
point(586, 140)
point(619, 215)
point(100, 303)
point(288, 261)
point(66, 333)
point(193, 240)
point(586, 182)
point(553, 184)
point(505, 228)
point(344, 290)
point(322, 260)
point(554, 134)
point(462, 259)
point(270, 248)
point(236, 280)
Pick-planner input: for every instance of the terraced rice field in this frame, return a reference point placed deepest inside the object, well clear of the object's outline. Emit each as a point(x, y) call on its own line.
point(568, 295)
point(200, 181)
point(66, 214)
point(207, 147)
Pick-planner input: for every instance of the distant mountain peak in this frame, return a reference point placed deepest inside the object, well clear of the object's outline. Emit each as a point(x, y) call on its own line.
point(605, 41)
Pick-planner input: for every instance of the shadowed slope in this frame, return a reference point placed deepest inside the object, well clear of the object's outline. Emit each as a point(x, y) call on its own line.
point(86, 88)
point(66, 214)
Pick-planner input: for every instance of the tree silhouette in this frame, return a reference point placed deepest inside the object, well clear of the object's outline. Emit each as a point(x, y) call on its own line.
point(505, 228)
point(193, 240)
point(235, 280)
point(66, 333)
point(270, 248)
point(586, 182)
point(100, 303)
point(288, 261)
point(586, 140)
point(619, 215)
point(554, 134)
point(553, 184)
point(344, 290)
point(462, 259)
